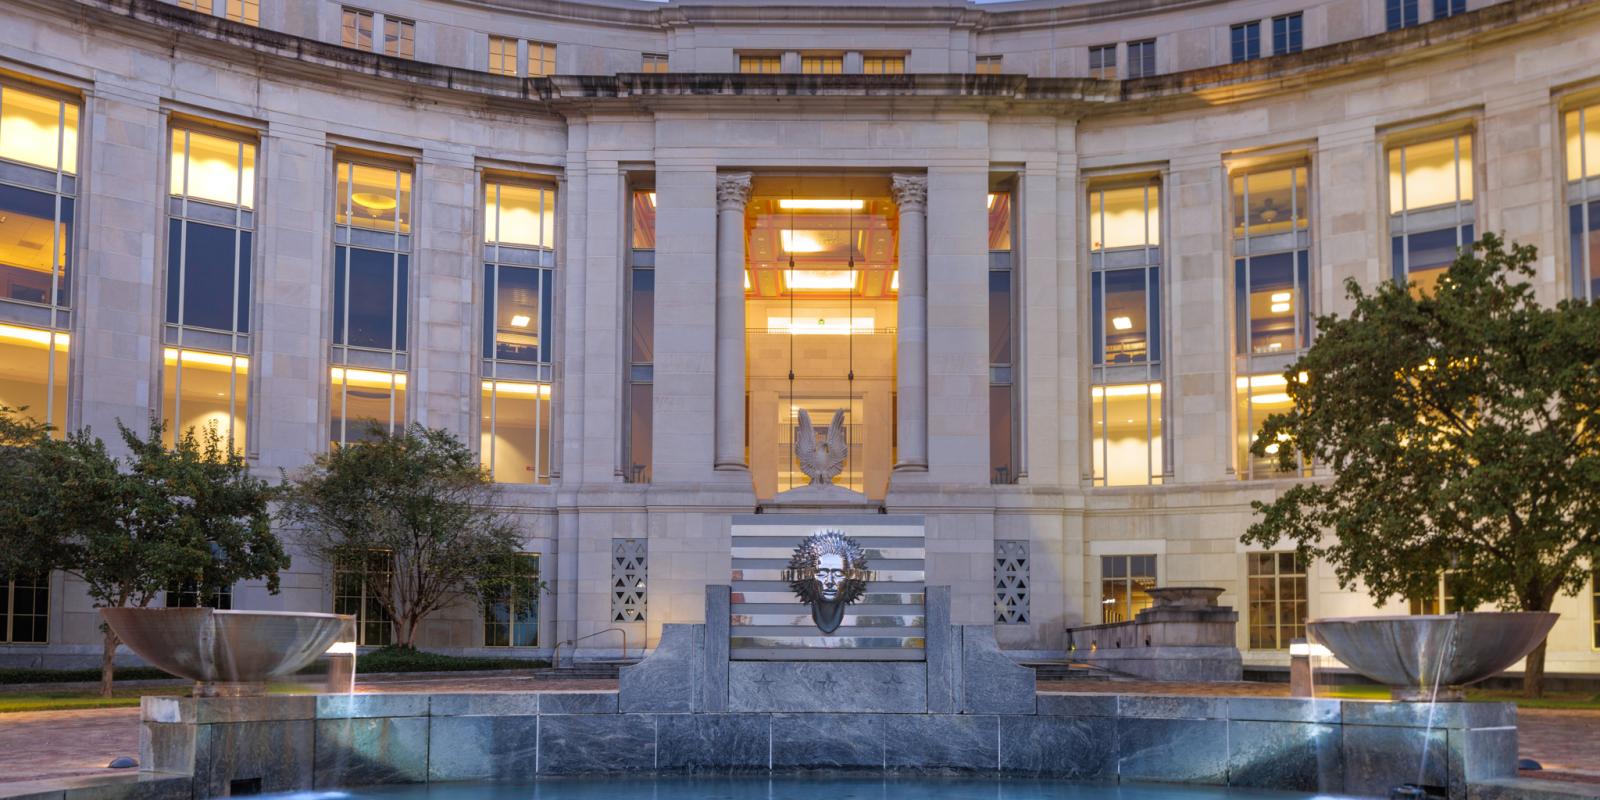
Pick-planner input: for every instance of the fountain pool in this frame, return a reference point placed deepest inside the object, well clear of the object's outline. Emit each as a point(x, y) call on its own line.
point(796, 787)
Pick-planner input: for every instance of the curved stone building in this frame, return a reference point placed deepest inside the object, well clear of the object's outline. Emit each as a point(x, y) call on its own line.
point(1051, 256)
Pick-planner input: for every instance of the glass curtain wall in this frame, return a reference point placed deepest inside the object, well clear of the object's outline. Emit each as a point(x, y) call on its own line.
point(1125, 297)
point(1004, 466)
point(518, 372)
point(1430, 207)
point(372, 260)
point(641, 337)
point(1582, 133)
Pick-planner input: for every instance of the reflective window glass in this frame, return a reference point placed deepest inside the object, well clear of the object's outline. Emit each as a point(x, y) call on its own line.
point(369, 299)
point(213, 168)
point(38, 130)
point(35, 246)
point(373, 197)
point(25, 609)
point(511, 614)
point(515, 427)
point(204, 390)
point(523, 216)
point(33, 373)
point(1127, 434)
point(365, 401)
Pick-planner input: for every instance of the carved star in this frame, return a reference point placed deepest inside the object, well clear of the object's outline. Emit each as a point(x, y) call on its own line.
point(765, 681)
point(892, 680)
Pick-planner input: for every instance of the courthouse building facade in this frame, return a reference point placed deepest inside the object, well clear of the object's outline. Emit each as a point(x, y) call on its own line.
point(1050, 257)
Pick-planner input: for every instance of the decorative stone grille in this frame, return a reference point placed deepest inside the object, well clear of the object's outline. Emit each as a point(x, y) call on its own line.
point(1011, 581)
point(628, 567)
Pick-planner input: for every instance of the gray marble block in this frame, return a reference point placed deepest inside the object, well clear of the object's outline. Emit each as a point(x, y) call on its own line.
point(1159, 706)
point(827, 741)
point(943, 651)
point(596, 744)
point(278, 753)
point(1063, 747)
point(504, 704)
point(992, 683)
point(899, 687)
point(349, 706)
point(1077, 705)
point(1285, 755)
point(1285, 709)
point(1379, 758)
point(942, 741)
point(666, 680)
point(713, 742)
point(713, 688)
point(578, 702)
point(1173, 750)
point(483, 748)
point(366, 751)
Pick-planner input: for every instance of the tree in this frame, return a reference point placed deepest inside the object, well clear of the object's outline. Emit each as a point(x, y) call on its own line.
point(1460, 427)
point(418, 500)
point(166, 518)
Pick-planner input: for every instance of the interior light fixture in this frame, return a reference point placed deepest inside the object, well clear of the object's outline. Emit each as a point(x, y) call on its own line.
point(822, 280)
point(1281, 297)
point(367, 377)
point(520, 320)
point(747, 280)
point(820, 325)
point(171, 355)
point(1280, 308)
point(652, 196)
point(1122, 323)
point(991, 201)
point(811, 204)
point(1126, 390)
point(525, 389)
point(894, 281)
point(374, 201)
point(800, 242)
point(31, 335)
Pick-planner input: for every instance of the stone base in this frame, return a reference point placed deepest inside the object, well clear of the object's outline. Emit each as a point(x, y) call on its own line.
point(1186, 664)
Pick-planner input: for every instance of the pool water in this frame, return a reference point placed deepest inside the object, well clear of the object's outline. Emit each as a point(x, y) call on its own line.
point(794, 787)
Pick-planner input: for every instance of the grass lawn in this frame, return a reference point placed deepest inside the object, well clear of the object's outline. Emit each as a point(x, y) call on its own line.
point(69, 701)
point(1559, 700)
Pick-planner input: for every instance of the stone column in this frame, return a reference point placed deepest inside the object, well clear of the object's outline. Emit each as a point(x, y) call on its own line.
point(911, 368)
point(733, 193)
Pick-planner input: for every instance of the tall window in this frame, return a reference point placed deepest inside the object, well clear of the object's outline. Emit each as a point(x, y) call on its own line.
point(518, 277)
point(1245, 40)
point(1142, 58)
point(25, 609)
point(653, 62)
point(1277, 600)
point(502, 55)
point(511, 616)
point(1448, 8)
point(1271, 300)
point(202, 6)
point(355, 29)
point(1286, 34)
point(1442, 600)
point(372, 245)
point(38, 187)
point(1003, 464)
point(822, 65)
point(987, 65)
point(1430, 207)
point(1594, 590)
point(355, 580)
point(1399, 14)
point(1125, 334)
point(883, 65)
point(760, 64)
point(246, 11)
point(541, 59)
point(1583, 200)
point(1125, 584)
point(399, 37)
point(641, 333)
point(1103, 62)
point(191, 595)
point(210, 238)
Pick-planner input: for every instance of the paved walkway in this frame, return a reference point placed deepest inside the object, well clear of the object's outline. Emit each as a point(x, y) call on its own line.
point(46, 744)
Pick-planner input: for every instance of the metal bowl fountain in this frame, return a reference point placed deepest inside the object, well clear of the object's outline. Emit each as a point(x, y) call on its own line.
point(1424, 657)
point(230, 653)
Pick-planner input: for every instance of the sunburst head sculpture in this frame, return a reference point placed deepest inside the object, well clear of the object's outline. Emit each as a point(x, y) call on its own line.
point(824, 460)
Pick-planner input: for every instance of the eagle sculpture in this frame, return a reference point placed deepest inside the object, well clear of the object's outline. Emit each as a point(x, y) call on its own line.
point(821, 460)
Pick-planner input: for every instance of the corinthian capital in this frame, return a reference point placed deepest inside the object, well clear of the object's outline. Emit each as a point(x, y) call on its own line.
point(910, 191)
point(733, 190)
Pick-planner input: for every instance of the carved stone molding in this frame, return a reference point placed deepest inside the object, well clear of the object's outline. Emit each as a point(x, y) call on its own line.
point(733, 190)
point(910, 192)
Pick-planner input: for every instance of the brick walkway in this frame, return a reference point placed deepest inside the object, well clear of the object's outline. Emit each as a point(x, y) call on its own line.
point(46, 744)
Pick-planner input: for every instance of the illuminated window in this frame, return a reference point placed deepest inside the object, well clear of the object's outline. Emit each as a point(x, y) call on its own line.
point(204, 390)
point(1125, 584)
point(1245, 41)
point(25, 609)
point(1003, 435)
point(641, 333)
point(39, 131)
point(365, 401)
point(511, 615)
point(1448, 8)
point(355, 581)
point(883, 65)
point(760, 64)
point(1142, 58)
point(1125, 335)
point(653, 62)
point(988, 65)
point(1286, 34)
point(1442, 600)
point(356, 29)
point(1399, 14)
point(518, 277)
point(1430, 207)
point(502, 55)
point(33, 373)
point(399, 37)
point(1582, 127)
point(1271, 234)
point(822, 65)
point(246, 11)
point(38, 159)
point(541, 59)
point(371, 279)
point(1594, 590)
point(189, 595)
point(202, 6)
point(1103, 62)
point(1277, 596)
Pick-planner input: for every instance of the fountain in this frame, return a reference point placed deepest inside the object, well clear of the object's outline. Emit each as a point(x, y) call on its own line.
point(226, 653)
point(1423, 657)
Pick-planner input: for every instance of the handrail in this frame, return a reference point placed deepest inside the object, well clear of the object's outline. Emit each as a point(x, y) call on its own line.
point(555, 659)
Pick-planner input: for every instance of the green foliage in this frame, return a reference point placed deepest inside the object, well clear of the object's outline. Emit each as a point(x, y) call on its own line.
point(418, 496)
point(11, 676)
point(1459, 428)
point(405, 659)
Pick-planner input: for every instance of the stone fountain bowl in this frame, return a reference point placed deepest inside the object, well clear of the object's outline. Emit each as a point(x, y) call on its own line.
point(1415, 655)
point(227, 652)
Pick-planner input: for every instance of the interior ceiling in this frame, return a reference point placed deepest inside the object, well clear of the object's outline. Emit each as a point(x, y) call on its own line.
point(825, 244)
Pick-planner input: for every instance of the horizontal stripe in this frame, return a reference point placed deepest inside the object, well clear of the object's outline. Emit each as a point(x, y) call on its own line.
point(826, 642)
point(743, 561)
point(850, 620)
point(783, 595)
point(828, 654)
point(794, 606)
point(864, 541)
point(873, 553)
point(878, 575)
point(802, 531)
point(809, 629)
